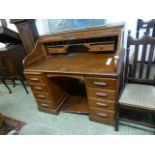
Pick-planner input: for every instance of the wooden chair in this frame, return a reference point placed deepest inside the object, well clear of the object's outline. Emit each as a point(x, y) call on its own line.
point(146, 27)
point(8, 71)
point(138, 93)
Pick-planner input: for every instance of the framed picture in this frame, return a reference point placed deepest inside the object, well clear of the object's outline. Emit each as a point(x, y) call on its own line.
point(60, 25)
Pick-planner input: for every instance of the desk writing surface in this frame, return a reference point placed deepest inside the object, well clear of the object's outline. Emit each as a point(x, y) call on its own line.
point(76, 63)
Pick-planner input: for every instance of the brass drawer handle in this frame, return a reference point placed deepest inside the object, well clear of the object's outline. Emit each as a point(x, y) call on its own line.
point(101, 104)
point(102, 115)
point(34, 79)
point(38, 88)
point(44, 105)
point(101, 94)
point(41, 96)
point(100, 83)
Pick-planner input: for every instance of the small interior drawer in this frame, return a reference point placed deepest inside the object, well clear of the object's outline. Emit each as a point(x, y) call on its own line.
point(103, 104)
point(102, 116)
point(61, 49)
point(35, 78)
point(100, 48)
point(101, 83)
point(94, 93)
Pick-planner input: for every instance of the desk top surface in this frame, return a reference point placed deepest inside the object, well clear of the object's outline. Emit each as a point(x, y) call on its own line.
point(77, 63)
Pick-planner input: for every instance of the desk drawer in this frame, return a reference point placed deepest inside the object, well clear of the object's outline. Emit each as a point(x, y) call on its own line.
point(45, 104)
point(39, 88)
point(99, 47)
point(62, 49)
point(101, 83)
point(42, 96)
point(33, 78)
point(102, 116)
point(94, 93)
point(102, 104)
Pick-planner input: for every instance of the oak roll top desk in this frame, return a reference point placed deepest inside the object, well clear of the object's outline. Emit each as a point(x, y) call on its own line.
point(78, 71)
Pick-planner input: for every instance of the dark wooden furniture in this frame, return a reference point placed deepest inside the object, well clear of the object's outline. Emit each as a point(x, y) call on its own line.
point(8, 71)
point(27, 31)
point(3, 75)
point(78, 72)
point(11, 59)
point(9, 36)
point(139, 91)
point(15, 49)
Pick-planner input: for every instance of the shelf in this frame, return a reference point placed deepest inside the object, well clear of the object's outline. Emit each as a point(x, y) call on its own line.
point(101, 44)
point(76, 104)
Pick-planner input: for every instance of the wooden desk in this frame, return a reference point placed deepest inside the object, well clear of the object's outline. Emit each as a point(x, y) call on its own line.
point(78, 71)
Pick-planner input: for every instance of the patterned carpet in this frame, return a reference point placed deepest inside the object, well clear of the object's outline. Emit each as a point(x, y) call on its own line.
point(10, 126)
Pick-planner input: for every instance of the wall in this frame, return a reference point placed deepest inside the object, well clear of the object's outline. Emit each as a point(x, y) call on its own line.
point(43, 28)
point(42, 25)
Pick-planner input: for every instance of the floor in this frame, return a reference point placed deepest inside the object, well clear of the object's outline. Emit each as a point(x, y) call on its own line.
point(22, 107)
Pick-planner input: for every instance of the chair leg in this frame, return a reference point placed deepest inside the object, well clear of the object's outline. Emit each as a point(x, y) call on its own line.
point(117, 117)
point(14, 83)
point(3, 81)
point(24, 85)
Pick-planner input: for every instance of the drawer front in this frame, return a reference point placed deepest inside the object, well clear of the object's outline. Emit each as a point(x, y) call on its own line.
point(101, 83)
point(39, 88)
point(102, 104)
point(101, 94)
point(32, 78)
point(99, 48)
point(102, 116)
point(45, 104)
point(106, 46)
point(42, 96)
point(58, 50)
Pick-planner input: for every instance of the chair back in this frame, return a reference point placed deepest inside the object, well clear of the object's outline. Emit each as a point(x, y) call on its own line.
point(140, 71)
point(146, 26)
